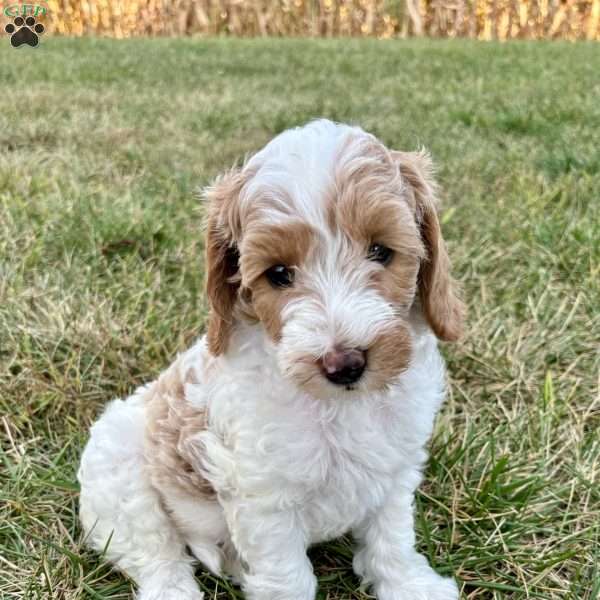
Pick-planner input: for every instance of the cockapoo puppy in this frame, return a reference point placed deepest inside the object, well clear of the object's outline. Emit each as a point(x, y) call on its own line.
point(304, 412)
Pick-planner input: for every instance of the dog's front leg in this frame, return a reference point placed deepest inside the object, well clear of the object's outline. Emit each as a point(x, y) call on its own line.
point(272, 546)
point(387, 560)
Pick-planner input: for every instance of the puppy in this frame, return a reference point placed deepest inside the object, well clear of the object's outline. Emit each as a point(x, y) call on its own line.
point(304, 412)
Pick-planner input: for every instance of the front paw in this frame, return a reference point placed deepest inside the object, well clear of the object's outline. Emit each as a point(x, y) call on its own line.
point(424, 584)
point(297, 586)
point(174, 593)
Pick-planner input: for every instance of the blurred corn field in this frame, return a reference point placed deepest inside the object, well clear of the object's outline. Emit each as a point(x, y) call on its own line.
point(483, 19)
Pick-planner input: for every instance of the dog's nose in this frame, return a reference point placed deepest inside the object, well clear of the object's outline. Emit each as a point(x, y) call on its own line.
point(343, 367)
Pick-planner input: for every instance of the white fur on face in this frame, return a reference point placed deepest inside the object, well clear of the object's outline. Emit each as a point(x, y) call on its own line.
point(340, 310)
point(317, 176)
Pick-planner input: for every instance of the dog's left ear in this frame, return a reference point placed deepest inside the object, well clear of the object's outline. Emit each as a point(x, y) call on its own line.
point(222, 257)
point(442, 307)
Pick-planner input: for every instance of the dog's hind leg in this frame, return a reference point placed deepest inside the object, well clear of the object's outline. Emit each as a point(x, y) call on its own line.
point(122, 513)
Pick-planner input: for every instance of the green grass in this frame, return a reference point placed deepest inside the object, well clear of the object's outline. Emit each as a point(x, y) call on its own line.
point(102, 144)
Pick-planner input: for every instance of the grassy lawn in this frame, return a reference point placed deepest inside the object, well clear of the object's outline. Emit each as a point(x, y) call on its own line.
point(102, 145)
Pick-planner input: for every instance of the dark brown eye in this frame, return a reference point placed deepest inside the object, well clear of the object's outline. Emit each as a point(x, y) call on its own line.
point(380, 253)
point(280, 276)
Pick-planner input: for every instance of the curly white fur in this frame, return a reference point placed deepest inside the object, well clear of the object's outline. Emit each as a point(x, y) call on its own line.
point(289, 467)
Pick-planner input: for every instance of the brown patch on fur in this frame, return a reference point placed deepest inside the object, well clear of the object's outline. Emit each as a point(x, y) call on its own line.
point(222, 232)
point(397, 282)
point(369, 204)
point(371, 207)
point(171, 424)
point(268, 304)
point(441, 304)
point(287, 244)
point(389, 356)
point(264, 246)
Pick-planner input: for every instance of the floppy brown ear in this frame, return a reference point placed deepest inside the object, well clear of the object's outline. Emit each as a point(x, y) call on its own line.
point(222, 258)
point(442, 308)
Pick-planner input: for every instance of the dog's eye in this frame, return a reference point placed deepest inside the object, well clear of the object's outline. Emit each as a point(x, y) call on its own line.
point(280, 276)
point(380, 253)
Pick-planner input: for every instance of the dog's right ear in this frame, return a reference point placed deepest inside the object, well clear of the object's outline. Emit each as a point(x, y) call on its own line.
point(222, 258)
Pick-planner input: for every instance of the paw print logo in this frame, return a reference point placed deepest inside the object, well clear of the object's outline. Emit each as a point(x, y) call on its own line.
point(24, 31)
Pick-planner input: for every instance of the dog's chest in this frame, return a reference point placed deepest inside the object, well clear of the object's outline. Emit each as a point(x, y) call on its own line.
point(334, 470)
point(331, 463)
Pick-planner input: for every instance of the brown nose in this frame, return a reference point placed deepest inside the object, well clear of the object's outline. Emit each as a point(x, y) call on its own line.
point(343, 367)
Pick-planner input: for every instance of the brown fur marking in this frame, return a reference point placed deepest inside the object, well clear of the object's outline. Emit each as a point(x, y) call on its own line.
point(171, 424)
point(222, 231)
point(288, 244)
